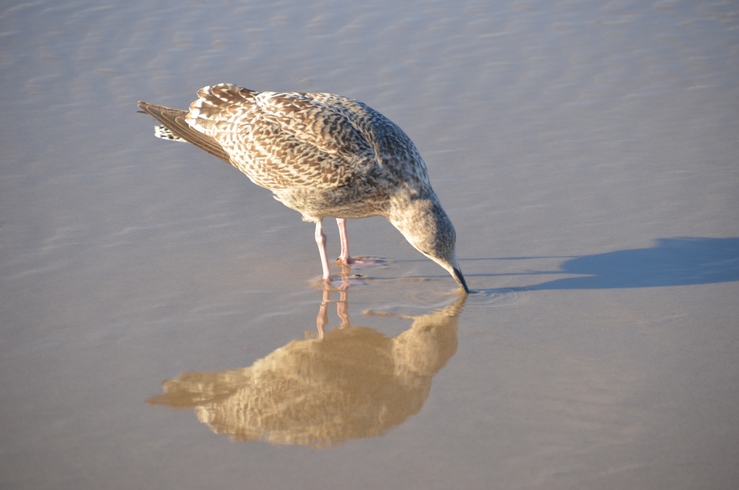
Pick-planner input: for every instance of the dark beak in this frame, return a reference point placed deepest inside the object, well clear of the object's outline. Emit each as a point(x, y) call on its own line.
point(460, 279)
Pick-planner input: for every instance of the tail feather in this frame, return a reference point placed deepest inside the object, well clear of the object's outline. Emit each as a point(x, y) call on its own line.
point(174, 121)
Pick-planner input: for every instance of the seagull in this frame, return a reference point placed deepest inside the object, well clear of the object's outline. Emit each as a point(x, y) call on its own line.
point(322, 155)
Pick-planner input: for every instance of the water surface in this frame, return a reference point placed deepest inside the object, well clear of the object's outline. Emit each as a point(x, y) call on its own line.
point(585, 151)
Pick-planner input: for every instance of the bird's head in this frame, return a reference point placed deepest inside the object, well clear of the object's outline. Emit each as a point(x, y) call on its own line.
point(426, 226)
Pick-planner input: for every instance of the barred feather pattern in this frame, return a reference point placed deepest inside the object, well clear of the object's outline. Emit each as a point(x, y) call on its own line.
point(320, 154)
point(165, 133)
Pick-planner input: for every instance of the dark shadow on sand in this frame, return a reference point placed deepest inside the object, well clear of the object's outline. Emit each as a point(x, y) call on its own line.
point(671, 262)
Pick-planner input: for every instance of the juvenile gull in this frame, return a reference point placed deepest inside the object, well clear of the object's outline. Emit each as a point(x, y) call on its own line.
point(322, 155)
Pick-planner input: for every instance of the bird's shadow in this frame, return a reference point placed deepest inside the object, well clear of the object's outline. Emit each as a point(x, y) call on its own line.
point(682, 261)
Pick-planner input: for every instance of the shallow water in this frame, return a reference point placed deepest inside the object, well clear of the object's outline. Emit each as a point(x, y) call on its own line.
point(585, 151)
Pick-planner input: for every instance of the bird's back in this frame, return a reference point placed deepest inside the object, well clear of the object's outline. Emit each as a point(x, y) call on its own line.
point(321, 154)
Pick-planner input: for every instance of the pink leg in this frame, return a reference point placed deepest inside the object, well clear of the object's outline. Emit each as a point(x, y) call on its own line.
point(321, 241)
point(344, 257)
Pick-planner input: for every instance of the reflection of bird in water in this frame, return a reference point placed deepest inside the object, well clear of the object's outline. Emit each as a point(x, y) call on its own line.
point(351, 382)
point(322, 155)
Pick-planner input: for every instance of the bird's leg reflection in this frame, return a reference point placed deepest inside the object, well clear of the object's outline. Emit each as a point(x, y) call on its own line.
point(342, 310)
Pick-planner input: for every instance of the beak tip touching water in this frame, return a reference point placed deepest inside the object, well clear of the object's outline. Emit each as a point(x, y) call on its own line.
point(457, 274)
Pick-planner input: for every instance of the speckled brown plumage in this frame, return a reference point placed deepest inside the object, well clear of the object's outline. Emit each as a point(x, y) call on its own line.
point(322, 155)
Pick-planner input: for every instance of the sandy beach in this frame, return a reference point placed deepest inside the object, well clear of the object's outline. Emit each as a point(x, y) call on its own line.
point(159, 312)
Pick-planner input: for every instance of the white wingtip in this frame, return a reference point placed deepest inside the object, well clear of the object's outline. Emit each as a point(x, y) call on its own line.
point(165, 134)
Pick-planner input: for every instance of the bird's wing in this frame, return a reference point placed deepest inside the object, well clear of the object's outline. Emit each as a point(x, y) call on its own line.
point(174, 120)
point(281, 139)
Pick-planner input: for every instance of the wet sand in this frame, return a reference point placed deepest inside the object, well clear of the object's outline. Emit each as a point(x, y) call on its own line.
point(586, 153)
